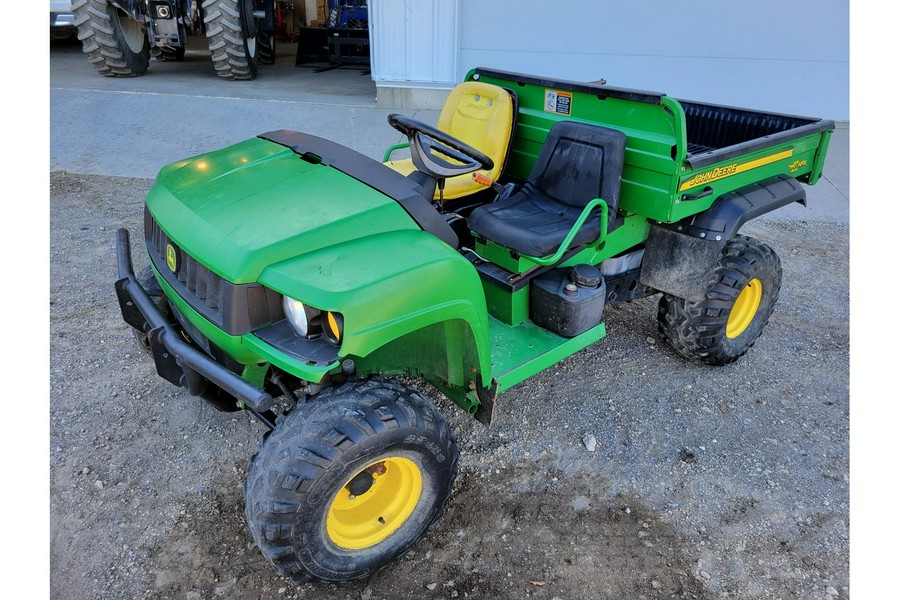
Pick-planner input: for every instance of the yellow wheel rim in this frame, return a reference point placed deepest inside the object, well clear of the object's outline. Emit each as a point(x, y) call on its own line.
point(387, 493)
point(744, 308)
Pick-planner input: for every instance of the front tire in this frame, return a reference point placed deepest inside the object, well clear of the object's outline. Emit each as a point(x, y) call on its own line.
point(231, 35)
point(349, 482)
point(737, 304)
point(115, 44)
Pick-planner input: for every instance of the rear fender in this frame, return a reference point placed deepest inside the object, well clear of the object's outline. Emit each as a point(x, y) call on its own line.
point(680, 257)
point(134, 8)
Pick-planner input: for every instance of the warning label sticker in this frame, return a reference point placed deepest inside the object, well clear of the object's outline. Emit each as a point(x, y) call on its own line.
point(557, 102)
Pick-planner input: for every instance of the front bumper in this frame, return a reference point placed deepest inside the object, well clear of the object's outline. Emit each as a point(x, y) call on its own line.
point(177, 361)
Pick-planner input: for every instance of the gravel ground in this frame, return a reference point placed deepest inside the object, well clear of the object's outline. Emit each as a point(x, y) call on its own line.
point(623, 472)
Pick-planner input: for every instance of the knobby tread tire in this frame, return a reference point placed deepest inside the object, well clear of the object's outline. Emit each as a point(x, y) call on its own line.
point(697, 330)
point(227, 41)
point(167, 54)
point(265, 48)
point(307, 458)
point(104, 43)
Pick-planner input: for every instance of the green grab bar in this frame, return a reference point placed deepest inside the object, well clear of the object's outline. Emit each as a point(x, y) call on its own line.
point(604, 225)
point(391, 149)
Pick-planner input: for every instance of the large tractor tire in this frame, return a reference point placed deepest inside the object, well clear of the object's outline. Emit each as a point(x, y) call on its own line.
point(231, 35)
point(116, 44)
point(349, 482)
point(737, 304)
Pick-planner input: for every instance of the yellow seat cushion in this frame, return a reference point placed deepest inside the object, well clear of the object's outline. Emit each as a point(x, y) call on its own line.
point(481, 115)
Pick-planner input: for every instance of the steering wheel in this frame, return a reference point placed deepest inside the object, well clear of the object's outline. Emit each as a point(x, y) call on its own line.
point(428, 146)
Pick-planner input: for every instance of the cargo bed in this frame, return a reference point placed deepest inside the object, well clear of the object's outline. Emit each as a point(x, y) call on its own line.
point(716, 133)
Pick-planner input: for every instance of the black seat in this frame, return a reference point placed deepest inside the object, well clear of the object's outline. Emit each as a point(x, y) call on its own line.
point(577, 163)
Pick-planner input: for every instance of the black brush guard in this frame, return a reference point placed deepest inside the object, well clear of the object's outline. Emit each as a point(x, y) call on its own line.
point(177, 361)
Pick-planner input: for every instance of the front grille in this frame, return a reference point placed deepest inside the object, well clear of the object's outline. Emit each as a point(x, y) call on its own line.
point(236, 308)
point(199, 286)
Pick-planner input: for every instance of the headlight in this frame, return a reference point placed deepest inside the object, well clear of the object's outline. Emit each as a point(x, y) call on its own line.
point(300, 316)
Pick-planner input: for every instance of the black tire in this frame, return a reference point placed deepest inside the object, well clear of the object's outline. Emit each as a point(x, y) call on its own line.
point(231, 35)
point(712, 330)
point(372, 436)
point(334, 17)
point(148, 280)
point(167, 54)
point(265, 43)
point(116, 44)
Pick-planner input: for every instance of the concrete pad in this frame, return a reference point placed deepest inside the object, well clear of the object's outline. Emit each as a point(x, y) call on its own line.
point(132, 127)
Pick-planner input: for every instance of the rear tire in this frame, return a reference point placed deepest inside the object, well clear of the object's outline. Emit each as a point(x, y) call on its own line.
point(350, 481)
point(266, 47)
point(231, 34)
point(737, 304)
point(115, 44)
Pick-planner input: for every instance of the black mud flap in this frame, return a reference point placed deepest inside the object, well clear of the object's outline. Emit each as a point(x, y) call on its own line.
point(679, 264)
point(487, 398)
point(680, 258)
point(131, 314)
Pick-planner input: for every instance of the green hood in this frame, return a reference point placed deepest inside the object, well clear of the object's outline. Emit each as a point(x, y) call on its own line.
point(254, 204)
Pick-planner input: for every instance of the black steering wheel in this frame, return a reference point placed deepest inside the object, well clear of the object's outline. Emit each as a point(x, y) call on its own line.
point(427, 146)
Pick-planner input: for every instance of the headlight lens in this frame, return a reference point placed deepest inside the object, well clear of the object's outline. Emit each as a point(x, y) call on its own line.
point(299, 315)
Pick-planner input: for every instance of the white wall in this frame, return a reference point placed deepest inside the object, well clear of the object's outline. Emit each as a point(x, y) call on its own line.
point(778, 55)
point(414, 43)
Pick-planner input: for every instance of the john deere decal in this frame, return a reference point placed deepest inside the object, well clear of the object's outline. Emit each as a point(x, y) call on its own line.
point(733, 169)
point(171, 259)
point(794, 166)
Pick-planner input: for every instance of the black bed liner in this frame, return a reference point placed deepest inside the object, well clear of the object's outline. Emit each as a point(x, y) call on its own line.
point(716, 133)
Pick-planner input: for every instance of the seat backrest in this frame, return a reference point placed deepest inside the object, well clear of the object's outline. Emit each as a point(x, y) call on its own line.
point(580, 162)
point(481, 115)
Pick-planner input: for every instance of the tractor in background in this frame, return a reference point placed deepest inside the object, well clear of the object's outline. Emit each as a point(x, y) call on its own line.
point(120, 36)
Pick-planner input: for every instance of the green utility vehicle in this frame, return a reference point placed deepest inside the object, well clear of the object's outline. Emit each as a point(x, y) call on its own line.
point(294, 278)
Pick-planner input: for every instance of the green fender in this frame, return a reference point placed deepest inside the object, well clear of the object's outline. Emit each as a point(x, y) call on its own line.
point(411, 304)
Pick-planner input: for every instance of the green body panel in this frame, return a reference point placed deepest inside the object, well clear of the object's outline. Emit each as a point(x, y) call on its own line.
point(818, 166)
point(795, 158)
point(298, 368)
point(336, 244)
point(510, 308)
point(386, 286)
point(631, 233)
point(243, 208)
point(256, 374)
point(522, 351)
